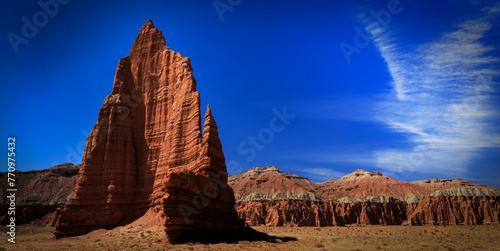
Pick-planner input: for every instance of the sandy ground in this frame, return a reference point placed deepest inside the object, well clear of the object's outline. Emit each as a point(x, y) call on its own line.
point(485, 237)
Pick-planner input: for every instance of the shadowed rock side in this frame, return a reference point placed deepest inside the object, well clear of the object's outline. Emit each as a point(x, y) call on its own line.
point(360, 198)
point(39, 194)
point(146, 153)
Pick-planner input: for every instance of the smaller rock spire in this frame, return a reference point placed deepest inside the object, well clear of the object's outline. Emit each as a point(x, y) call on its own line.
point(209, 118)
point(211, 154)
point(210, 130)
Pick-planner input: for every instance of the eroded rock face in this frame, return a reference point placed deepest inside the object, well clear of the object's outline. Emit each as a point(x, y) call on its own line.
point(446, 210)
point(319, 213)
point(264, 197)
point(146, 153)
point(455, 210)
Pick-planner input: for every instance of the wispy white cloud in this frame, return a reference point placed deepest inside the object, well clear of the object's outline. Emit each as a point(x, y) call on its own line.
point(442, 98)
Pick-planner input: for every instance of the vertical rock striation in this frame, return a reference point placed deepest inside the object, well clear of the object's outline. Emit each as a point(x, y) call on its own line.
point(267, 196)
point(319, 213)
point(146, 155)
point(455, 210)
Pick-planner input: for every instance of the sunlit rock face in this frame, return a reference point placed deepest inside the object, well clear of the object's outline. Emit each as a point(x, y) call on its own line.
point(147, 157)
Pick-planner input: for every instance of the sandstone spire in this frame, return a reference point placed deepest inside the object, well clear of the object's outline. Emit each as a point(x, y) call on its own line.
point(146, 153)
point(148, 41)
point(212, 156)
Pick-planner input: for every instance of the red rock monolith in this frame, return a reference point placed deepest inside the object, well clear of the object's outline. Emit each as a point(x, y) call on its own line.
point(148, 157)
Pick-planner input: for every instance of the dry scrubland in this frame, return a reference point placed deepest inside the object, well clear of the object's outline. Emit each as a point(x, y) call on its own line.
point(486, 237)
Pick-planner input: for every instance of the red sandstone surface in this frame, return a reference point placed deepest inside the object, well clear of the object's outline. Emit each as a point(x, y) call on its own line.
point(269, 183)
point(360, 198)
point(455, 210)
point(361, 185)
point(147, 159)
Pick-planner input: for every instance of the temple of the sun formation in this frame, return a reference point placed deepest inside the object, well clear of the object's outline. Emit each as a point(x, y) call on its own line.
point(148, 159)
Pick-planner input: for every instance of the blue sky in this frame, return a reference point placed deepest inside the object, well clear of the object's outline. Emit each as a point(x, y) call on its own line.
point(320, 89)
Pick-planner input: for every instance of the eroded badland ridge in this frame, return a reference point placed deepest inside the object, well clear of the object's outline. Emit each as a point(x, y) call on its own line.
point(267, 196)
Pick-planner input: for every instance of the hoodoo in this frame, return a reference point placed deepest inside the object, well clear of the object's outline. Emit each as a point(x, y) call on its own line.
point(147, 155)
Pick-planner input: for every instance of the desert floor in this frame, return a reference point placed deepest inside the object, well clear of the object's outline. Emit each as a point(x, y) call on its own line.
point(485, 237)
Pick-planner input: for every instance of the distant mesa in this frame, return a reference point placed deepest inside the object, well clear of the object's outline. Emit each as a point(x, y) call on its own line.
point(40, 193)
point(148, 160)
point(267, 196)
point(269, 183)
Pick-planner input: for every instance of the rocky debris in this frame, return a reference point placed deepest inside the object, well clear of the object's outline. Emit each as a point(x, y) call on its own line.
point(39, 193)
point(146, 158)
point(359, 198)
